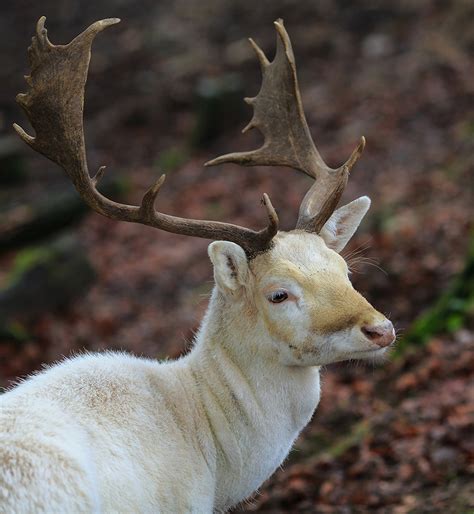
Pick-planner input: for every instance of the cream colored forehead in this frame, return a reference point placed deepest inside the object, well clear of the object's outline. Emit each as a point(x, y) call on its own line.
point(298, 250)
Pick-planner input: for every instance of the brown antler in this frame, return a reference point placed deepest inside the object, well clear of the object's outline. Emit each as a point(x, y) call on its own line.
point(278, 114)
point(54, 106)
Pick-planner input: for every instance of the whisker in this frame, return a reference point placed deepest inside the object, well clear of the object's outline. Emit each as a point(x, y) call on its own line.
point(368, 262)
point(356, 251)
point(354, 259)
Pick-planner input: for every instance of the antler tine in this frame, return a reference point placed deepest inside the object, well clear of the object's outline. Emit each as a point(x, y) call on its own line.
point(54, 106)
point(322, 198)
point(278, 114)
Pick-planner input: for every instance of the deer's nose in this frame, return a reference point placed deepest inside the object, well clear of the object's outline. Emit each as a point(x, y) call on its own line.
point(381, 334)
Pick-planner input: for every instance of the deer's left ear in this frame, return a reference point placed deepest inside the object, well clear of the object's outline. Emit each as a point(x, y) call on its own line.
point(230, 265)
point(340, 227)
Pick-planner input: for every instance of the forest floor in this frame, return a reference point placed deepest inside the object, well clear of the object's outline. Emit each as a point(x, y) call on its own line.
point(168, 82)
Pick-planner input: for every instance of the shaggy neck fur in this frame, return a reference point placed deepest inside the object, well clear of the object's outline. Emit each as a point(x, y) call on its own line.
point(255, 406)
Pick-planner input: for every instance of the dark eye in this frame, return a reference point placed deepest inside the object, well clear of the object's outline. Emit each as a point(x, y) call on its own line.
point(278, 296)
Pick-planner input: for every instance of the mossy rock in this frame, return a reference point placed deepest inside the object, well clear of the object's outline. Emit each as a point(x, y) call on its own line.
point(48, 215)
point(44, 279)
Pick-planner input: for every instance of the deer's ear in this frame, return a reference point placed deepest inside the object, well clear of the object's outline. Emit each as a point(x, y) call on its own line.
point(230, 265)
point(340, 227)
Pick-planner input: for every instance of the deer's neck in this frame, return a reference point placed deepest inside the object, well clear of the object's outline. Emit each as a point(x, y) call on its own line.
point(255, 406)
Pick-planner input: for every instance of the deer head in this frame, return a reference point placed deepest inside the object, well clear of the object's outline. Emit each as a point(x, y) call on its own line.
point(294, 285)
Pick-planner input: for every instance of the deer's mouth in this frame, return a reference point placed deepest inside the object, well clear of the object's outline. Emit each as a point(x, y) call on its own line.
point(370, 352)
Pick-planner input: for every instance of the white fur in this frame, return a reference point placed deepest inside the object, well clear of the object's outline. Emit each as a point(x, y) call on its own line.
point(112, 433)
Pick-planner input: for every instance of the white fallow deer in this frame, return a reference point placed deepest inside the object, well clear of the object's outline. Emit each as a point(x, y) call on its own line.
point(113, 433)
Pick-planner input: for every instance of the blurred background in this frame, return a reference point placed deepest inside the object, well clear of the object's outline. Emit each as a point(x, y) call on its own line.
point(164, 95)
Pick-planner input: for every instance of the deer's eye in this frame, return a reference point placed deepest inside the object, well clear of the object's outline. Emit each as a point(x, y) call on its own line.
point(278, 296)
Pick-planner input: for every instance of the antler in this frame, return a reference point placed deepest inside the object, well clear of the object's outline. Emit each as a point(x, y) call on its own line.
point(278, 114)
point(54, 106)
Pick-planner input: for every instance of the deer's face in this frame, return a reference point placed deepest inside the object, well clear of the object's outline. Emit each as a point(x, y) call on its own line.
point(303, 296)
point(309, 306)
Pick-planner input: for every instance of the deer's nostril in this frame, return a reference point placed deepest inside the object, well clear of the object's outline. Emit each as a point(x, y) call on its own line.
point(382, 334)
point(371, 332)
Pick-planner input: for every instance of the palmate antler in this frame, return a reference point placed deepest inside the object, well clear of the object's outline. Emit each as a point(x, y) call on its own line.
point(278, 114)
point(54, 106)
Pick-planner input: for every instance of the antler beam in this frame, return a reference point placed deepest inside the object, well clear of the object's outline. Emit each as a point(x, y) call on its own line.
point(279, 115)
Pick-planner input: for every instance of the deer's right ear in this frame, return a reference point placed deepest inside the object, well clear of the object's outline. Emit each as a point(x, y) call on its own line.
point(230, 265)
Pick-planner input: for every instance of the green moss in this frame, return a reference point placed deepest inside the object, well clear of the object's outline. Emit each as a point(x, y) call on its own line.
point(14, 331)
point(171, 159)
point(26, 260)
point(451, 311)
point(45, 278)
point(355, 436)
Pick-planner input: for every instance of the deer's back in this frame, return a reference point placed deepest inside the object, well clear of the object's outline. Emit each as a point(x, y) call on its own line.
point(103, 432)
